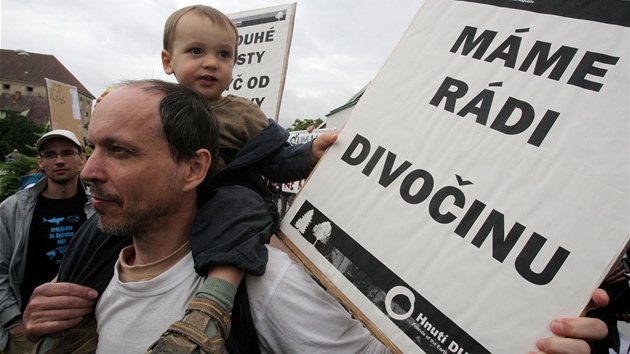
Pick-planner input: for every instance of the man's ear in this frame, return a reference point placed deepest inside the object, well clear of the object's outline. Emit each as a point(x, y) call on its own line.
point(166, 62)
point(198, 168)
point(82, 160)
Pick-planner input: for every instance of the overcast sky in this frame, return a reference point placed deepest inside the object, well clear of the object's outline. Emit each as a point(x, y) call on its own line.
point(337, 47)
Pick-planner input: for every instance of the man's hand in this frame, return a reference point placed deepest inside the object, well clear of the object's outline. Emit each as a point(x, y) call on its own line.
point(575, 332)
point(56, 306)
point(319, 146)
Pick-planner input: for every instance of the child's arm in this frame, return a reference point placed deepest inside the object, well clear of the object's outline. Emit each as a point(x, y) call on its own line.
point(291, 162)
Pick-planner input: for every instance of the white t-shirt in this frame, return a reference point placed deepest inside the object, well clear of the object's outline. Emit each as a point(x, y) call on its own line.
point(131, 316)
point(291, 313)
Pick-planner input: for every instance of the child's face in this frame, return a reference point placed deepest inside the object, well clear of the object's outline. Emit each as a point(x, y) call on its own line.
point(201, 55)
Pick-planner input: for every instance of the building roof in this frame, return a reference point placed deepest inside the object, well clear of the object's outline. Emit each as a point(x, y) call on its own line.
point(39, 112)
point(22, 66)
point(352, 101)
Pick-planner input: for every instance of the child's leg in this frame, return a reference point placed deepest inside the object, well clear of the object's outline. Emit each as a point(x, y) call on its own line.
point(232, 229)
point(220, 287)
point(230, 274)
point(206, 324)
point(228, 240)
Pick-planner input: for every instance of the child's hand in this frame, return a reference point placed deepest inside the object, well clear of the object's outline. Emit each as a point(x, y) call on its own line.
point(319, 146)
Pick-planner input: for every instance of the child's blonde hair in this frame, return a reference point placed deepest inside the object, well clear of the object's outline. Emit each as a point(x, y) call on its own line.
point(215, 15)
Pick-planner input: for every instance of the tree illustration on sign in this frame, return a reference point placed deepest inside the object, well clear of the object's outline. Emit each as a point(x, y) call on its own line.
point(302, 223)
point(322, 232)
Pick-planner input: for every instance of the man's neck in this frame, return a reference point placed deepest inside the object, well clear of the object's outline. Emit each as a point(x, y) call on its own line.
point(56, 190)
point(162, 239)
point(140, 272)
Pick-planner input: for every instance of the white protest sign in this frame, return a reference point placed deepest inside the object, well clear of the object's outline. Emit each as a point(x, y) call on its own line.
point(264, 40)
point(480, 187)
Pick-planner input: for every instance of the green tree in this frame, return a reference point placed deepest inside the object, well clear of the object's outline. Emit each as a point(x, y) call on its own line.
point(300, 124)
point(11, 172)
point(18, 132)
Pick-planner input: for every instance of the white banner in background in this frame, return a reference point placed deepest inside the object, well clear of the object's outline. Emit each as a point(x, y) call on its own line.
point(264, 40)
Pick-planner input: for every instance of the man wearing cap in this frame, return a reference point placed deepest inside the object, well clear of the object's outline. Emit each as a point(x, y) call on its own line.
point(36, 225)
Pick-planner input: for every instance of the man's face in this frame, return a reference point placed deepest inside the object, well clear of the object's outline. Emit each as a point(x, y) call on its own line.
point(202, 55)
point(136, 182)
point(60, 160)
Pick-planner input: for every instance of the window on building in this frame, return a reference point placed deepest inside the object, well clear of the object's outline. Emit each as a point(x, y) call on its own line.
point(29, 89)
point(6, 86)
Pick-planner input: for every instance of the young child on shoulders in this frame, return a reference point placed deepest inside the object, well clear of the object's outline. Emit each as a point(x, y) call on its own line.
point(200, 49)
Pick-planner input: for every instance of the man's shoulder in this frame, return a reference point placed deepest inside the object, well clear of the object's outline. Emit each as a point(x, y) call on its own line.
point(278, 257)
point(10, 203)
point(12, 199)
point(22, 196)
point(276, 272)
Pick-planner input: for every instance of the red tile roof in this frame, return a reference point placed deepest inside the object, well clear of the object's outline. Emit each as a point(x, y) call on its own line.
point(34, 67)
point(39, 112)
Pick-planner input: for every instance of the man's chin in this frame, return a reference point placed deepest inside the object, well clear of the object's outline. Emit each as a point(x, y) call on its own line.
point(113, 228)
point(62, 179)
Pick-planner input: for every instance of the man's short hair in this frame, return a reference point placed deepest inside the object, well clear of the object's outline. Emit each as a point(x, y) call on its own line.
point(187, 123)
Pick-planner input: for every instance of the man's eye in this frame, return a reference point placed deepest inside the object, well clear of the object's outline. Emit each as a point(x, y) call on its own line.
point(68, 153)
point(118, 149)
